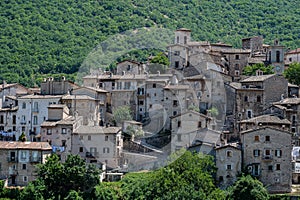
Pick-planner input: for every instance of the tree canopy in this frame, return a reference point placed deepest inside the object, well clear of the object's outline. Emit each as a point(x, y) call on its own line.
point(250, 70)
point(58, 179)
point(292, 73)
point(248, 188)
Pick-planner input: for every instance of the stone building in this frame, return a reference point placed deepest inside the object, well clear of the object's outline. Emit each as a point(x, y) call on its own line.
point(58, 129)
point(184, 126)
point(51, 86)
point(228, 163)
point(33, 110)
point(19, 160)
point(265, 120)
point(292, 56)
point(267, 156)
point(130, 67)
point(256, 94)
point(8, 118)
point(275, 56)
point(99, 145)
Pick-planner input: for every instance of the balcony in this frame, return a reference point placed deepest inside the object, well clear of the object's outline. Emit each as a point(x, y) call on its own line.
point(12, 159)
point(267, 158)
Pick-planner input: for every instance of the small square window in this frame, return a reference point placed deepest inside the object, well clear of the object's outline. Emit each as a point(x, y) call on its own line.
point(277, 166)
point(24, 166)
point(256, 138)
point(154, 85)
point(106, 138)
point(270, 167)
point(80, 149)
point(25, 179)
point(267, 138)
point(63, 131)
point(89, 137)
point(228, 167)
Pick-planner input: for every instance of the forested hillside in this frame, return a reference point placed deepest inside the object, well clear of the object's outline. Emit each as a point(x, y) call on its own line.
point(42, 37)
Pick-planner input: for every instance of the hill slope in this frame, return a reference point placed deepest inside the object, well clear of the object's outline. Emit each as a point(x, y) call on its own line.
point(41, 37)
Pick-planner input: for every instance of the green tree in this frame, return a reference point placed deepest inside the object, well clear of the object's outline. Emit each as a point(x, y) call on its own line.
point(248, 188)
point(160, 58)
point(60, 178)
point(108, 191)
point(292, 73)
point(250, 70)
point(121, 114)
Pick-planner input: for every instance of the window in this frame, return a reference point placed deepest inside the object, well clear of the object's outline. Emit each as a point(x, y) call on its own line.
point(105, 150)
point(24, 166)
point(89, 137)
point(93, 151)
point(237, 57)
point(245, 98)
point(1, 119)
point(249, 114)
point(175, 103)
point(177, 53)
point(23, 155)
point(185, 39)
point(49, 131)
point(270, 167)
point(267, 138)
point(141, 102)
point(35, 107)
point(23, 105)
point(81, 137)
point(278, 153)
point(174, 113)
point(106, 138)
point(63, 143)
point(258, 99)
point(80, 149)
point(229, 153)
point(63, 131)
point(35, 120)
point(228, 167)
point(176, 64)
point(256, 170)
point(14, 119)
point(277, 56)
point(256, 152)
point(199, 124)
point(179, 137)
point(25, 179)
point(154, 85)
point(277, 166)
point(179, 124)
point(237, 72)
point(256, 138)
point(267, 152)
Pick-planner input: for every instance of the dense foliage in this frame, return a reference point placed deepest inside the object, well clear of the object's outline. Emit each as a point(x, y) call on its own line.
point(292, 73)
point(46, 37)
point(248, 188)
point(250, 70)
point(63, 180)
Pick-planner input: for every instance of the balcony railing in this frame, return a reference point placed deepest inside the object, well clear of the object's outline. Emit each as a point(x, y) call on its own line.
point(267, 157)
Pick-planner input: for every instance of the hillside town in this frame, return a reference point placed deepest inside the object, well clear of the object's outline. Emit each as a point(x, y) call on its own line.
point(201, 102)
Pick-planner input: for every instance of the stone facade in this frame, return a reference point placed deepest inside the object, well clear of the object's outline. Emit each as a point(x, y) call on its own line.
point(99, 145)
point(228, 163)
point(267, 155)
point(19, 160)
point(33, 110)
